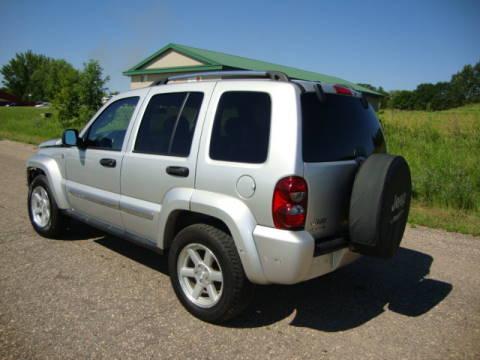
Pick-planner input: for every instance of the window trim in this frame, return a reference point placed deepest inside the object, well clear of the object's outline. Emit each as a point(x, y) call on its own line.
point(172, 135)
point(87, 132)
point(213, 126)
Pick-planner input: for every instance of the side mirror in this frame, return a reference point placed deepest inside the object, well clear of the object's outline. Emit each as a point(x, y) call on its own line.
point(70, 137)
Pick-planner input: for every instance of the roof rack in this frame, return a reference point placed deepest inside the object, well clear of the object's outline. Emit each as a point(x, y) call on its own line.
point(242, 74)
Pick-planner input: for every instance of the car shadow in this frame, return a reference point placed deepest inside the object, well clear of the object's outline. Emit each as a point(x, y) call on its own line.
point(79, 231)
point(136, 253)
point(351, 296)
point(338, 301)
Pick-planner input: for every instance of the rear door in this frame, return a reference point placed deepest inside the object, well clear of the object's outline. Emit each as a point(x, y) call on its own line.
point(162, 154)
point(338, 134)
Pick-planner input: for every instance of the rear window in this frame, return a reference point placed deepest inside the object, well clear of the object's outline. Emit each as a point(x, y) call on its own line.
point(339, 128)
point(241, 128)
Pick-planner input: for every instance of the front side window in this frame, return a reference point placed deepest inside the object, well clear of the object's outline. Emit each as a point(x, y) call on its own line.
point(168, 124)
point(108, 130)
point(241, 128)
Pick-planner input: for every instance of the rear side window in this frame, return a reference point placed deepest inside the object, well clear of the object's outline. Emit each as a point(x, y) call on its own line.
point(241, 128)
point(339, 128)
point(168, 124)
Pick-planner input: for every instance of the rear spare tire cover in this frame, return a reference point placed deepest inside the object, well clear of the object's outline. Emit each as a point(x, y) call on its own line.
point(379, 205)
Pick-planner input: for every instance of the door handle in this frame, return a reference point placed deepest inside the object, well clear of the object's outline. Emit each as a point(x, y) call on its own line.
point(178, 171)
point(108, 162)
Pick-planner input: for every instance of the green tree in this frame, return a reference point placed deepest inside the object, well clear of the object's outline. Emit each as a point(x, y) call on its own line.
point(47, 79)
point(92, 85)
point(463, 88)
point(422, 96)
point(442, 98)
point(80, 94)
point(17, 75)
point(67, 98)
point(466, 85)
point(403, 100)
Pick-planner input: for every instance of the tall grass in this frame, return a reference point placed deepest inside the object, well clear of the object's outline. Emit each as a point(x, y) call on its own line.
point(28, 124)
point(443, 150)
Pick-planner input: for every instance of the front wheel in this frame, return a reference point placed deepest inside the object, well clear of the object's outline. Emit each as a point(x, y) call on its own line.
point(207, 274)
point(46, 218)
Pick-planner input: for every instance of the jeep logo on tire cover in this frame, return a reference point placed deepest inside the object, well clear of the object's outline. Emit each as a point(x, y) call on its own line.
point(399, 201)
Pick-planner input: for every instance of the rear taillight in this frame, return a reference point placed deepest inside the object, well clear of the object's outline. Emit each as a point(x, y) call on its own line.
point(342, 90)
point(289, 206)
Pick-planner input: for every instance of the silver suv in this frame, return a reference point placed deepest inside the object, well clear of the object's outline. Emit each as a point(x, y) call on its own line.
point(242, 177)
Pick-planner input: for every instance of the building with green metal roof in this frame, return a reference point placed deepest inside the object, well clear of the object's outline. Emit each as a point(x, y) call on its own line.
point(174, 59)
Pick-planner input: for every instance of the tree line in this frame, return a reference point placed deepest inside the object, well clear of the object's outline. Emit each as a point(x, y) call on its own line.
point(76, 94)
point(463, 88)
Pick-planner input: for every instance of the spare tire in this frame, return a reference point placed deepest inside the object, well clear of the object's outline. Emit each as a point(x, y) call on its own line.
point(379, 205)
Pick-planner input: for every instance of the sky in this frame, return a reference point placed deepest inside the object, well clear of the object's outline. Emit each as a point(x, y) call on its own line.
point(393, 44)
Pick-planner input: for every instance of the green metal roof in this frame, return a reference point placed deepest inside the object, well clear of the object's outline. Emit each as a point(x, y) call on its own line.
point(214, 60)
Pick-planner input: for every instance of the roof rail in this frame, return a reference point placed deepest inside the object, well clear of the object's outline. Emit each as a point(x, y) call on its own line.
point(241, 74)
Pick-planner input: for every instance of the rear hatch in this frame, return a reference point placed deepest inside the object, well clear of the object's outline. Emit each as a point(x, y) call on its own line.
point(339, 132)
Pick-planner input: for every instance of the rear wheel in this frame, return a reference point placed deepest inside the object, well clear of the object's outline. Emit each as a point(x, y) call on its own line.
point(207, 275)
point(45, 217)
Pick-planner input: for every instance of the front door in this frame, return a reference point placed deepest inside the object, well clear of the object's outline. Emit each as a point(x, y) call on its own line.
point(93, 169)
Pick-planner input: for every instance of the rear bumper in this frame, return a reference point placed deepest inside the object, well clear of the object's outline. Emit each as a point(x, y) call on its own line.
point(289, 257)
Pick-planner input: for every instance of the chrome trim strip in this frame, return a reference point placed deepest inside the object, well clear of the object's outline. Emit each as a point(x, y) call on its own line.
point(137, 211)
point(125, 207)
point(93, 198)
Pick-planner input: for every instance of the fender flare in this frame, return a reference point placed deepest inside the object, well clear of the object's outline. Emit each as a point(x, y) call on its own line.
point(241, 223)
point(54, 176)
point(231, 211)
point(175, 199)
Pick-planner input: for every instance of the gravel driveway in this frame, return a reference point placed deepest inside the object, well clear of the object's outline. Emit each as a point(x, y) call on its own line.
point(95, 296)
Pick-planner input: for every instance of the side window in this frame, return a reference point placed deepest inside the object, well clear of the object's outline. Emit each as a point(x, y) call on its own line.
point(241, 128)
point(168, 124)
point(108, 130)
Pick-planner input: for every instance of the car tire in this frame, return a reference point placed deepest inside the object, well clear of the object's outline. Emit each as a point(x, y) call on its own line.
point(379, 205)
point(195, 282)
point(44, 214)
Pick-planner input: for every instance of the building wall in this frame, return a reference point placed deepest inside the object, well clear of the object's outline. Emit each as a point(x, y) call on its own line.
point(168, 60)
point(172, 59)
point(141, 81)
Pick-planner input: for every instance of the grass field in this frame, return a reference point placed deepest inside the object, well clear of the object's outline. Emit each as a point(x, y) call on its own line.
point(442, 148)
point(28, 124)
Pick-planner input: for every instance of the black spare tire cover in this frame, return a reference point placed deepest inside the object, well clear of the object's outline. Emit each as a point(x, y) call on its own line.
point(379, 205)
